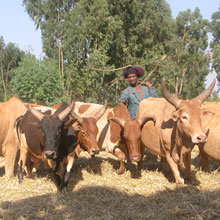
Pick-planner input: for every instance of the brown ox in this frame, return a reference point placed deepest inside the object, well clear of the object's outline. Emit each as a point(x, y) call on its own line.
point(44, 136)
point(85, 128)
point(177, 129)
point(211, 120)
point(9, 146)
point(83, 132)
point(117, 133)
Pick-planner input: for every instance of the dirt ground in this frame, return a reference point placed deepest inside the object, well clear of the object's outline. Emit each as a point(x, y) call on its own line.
point(96, 192)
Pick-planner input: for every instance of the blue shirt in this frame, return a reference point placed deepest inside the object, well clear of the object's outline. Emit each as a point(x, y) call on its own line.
point(133, 98)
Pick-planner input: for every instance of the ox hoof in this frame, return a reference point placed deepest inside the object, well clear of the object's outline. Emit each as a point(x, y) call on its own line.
point(120, 171)
point(180, 182)
point(62, 189)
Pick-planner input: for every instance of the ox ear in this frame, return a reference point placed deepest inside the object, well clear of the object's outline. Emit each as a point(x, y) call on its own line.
point(69, 122)
point(76, 126)
point(207, 112)
point(35, 124)
point(77, 117)
point(174, 115)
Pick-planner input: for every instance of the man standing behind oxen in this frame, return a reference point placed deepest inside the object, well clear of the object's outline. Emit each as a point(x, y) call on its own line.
point(9, 112)
point(136, 92)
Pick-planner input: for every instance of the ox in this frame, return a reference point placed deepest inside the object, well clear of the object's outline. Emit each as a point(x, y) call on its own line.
point(9, 145)
point(83, 135)
point(44, 136)
point(211, 120)
point(117, 133)
point(177, 129)
point(85, 128)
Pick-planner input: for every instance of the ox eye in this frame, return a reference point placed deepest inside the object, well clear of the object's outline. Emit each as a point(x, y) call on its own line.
point(184, 117)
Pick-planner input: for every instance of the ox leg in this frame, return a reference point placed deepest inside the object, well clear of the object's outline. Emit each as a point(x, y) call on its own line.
point(175, 170)
point(57, 173)
point(58, 182)
point(140, 163)
point(164, 165)
point(203, 160)
point(69, 167)
point(185, 161)
point(10, 158)
point(22, 163)
point(121, 156)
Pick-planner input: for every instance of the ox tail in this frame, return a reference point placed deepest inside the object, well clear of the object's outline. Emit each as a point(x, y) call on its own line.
point(16, 128)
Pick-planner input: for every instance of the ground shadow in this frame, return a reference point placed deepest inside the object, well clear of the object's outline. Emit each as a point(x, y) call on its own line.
point(100, 202)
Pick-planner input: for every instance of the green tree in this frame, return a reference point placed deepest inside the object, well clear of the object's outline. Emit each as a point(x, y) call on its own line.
point(102, 34)
point(87, 37)
point(10, 56)
point(37, 81)
point(215, 43)
point(188, 64)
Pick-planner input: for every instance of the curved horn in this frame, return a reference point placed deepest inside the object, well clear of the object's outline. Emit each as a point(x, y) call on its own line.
point(146, 119)
point(36, 113)
point(206, 93)
point(77, 117)
point(101, 112)
point(120, 121)
point(66, 111)
point(172, 99)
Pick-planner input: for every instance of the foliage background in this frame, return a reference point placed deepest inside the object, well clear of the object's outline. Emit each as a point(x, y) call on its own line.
point(83, 40)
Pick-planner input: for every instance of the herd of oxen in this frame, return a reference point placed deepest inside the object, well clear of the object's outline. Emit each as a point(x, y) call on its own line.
point(166, 127)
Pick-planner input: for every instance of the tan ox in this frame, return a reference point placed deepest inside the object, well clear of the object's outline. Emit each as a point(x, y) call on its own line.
point(177, 129)
point(211, 120)
point(117, 133)
point(9, 146)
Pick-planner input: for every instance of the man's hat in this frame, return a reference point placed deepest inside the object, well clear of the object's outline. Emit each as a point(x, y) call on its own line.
point(133, 70)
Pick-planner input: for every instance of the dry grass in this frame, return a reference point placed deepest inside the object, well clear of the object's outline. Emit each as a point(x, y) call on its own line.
point(96, 192)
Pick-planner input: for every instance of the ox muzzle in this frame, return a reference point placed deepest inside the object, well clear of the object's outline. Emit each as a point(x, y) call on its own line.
point(50, 154)
point(93, 152)
point(135, 158)
point(200, 138)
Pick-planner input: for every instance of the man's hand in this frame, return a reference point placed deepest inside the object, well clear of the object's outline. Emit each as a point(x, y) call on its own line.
point(148, 84)
point(124, 101)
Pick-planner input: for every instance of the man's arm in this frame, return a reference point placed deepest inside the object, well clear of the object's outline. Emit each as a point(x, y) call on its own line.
point(152, 91)
point(124, 97)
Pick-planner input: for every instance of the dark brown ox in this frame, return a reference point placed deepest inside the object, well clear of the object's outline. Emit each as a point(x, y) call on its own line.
point(117, 133)
point(9, 145)
point(177, 129)
point(211, 120)
point(83, 132)
point(42, 135)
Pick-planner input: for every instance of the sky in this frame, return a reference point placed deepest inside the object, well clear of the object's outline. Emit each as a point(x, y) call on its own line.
point(17, 27)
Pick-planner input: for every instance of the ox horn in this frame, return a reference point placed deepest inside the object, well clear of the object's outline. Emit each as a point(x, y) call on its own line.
point(101, 112)
point(146, 119)
point(77, 117)
point(206, 93)
point(172, 99)
point(66, 111)
point(120, 121)
point(36, 113)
